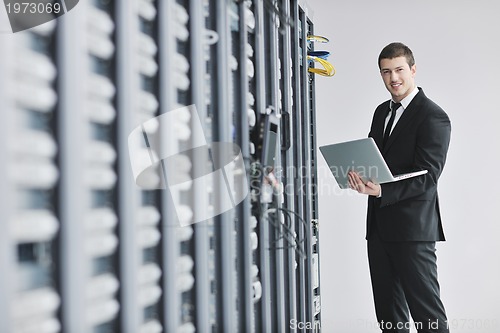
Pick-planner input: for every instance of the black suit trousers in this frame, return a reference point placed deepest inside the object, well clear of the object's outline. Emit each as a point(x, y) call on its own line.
point(404, 280)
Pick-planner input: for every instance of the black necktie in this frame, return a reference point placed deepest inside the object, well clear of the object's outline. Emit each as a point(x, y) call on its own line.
point(387, 132)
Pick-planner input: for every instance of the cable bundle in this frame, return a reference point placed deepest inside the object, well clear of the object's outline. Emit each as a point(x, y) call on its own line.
point(319, 56)
point(319, 39)
point(327, 70)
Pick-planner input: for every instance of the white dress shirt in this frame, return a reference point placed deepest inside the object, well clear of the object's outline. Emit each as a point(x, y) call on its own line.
point(399, 112)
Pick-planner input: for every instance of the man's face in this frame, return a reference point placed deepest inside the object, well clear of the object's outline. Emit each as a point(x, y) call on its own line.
point(398, 77)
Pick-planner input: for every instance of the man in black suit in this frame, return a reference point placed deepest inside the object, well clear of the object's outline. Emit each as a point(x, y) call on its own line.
point(403, 220)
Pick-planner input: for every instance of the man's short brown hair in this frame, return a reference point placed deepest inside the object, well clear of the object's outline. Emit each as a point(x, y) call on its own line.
point(395, 50)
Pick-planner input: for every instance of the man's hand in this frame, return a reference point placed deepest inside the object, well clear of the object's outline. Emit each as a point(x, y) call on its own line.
point(356, 183)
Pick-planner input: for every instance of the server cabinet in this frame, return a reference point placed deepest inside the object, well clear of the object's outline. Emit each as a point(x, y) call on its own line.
point(88, 243)
point(29, 216)
point(89, 208)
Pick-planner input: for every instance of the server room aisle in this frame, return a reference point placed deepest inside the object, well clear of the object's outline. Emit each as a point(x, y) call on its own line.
point(159, 167)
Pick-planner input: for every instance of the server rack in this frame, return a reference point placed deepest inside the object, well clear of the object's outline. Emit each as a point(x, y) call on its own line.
point(140, 210)
point(89, 208)
point(30, 173)
point(86, 248)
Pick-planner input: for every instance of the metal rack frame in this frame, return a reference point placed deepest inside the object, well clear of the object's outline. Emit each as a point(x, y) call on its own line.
point(248, 274)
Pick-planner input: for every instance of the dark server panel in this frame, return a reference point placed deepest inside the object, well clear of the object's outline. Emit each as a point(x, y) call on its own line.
point(159, 170)
point(30, 177)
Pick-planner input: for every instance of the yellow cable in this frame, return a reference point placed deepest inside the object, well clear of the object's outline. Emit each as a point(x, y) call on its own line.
point(327, 70)
point(319, 39)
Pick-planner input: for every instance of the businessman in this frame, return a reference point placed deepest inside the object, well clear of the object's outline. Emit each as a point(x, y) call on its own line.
point(403, 218)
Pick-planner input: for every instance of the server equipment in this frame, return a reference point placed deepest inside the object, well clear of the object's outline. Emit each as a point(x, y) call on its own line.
point(85, 244)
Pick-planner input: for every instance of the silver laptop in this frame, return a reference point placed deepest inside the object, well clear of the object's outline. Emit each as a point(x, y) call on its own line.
point(363, 157)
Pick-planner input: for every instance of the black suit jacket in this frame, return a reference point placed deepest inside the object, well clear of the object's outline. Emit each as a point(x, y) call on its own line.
point(409, 209)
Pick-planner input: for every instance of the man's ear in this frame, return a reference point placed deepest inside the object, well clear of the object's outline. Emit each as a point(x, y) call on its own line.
point(413, 70)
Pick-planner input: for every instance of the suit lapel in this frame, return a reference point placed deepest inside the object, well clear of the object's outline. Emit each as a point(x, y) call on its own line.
point(405, 119)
